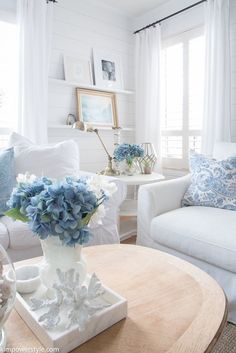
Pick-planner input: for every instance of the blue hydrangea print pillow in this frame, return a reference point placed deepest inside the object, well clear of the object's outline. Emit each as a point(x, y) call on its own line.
point(213, 183)
point(7, 177)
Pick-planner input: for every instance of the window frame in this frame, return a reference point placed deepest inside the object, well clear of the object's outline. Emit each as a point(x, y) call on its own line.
point(185, 132)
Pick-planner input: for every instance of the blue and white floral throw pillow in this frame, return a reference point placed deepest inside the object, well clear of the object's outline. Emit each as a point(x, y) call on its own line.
point(7, 177)
point(213, 183)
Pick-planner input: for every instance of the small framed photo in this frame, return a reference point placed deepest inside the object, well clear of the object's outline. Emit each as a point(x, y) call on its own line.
point(78, 70)
point(97, 108)
point(107, 69)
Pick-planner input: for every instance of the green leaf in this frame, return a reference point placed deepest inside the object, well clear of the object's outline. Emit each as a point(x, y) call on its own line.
point(85, 221)
point(45, 218)
point(16, 215)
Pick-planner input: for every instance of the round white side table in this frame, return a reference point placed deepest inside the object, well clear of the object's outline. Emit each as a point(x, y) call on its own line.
point(128, 210)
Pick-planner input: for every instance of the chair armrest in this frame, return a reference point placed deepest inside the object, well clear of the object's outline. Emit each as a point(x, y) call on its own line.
point(107, 232)
point(119, 196)
point(158, 198)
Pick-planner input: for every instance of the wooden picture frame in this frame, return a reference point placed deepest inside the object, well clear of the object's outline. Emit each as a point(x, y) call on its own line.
point(97, 108)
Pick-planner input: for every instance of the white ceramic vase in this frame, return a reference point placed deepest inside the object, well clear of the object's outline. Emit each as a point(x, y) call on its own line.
point(58, 256)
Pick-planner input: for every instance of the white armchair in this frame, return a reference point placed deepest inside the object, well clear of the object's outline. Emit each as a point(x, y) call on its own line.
point(156, 199)
point(55, 161)
point(204, 236)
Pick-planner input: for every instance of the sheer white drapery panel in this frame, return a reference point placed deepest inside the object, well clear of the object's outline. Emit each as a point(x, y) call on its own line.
point(148, 58)
point(217, 112)
point(35, 22)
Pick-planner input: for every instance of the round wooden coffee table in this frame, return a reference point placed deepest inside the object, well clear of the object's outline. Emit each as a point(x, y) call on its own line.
point(172, 306)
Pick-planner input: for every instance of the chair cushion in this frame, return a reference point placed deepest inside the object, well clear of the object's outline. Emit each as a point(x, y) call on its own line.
point(208, 234)
point(4, 237)
point(20, 236)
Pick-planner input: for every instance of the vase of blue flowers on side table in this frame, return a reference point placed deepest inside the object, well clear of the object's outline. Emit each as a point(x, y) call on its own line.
point(131, 167)
point(61, 214)
point(129, 153)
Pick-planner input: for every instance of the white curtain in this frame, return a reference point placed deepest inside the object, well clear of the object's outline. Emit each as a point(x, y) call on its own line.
point(216, 119)
point(148, 57)
point(34, 20)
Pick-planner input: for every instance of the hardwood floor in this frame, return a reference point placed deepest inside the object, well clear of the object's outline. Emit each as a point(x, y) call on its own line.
point(131, 240)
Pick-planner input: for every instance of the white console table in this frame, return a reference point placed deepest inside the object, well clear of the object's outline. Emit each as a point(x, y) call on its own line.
point(128, 210)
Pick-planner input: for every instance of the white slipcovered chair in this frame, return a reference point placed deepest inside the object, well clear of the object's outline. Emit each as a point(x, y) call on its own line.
point(204, 236)
point(58, 160)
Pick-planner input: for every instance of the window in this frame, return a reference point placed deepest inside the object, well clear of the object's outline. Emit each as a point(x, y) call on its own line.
point(182, 97)
point(8, 79)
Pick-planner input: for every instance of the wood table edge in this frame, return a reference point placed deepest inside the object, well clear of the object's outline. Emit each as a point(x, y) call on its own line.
point(220, 330)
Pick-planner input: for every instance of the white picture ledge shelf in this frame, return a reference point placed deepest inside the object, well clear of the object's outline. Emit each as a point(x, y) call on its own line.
point(68, 127)
point(97, 88)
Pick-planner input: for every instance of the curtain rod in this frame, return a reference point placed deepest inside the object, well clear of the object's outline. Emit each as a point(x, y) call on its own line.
point(167, 17)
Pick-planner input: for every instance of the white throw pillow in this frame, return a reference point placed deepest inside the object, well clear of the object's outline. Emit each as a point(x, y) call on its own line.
point(54, 161)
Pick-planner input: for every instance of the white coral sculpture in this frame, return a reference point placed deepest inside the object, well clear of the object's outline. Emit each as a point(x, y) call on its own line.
point(76, 301)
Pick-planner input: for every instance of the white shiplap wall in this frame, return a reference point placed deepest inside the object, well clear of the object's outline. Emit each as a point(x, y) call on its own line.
point(78, 27)
point(190, 19)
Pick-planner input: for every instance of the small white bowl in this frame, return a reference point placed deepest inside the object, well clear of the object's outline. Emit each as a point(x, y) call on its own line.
point(27, 279)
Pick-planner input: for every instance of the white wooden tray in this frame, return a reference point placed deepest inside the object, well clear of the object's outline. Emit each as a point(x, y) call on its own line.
point(67, 340)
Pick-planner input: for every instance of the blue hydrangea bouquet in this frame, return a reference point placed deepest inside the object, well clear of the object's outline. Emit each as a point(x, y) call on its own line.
point(62, 209)
point(61, 214)
point(128, 152)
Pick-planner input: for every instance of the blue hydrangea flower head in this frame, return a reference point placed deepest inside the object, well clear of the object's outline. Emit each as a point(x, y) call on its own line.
point(56, 208)
point(128, 152)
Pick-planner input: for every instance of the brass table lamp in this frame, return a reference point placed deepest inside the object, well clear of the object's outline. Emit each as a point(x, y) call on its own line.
point(109, 171)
